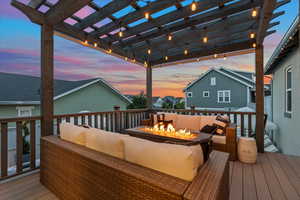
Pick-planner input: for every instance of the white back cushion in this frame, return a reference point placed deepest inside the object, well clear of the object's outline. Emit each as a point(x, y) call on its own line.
point(176, 160)
point(105, 142)
point(189, 122)
point(72, 133)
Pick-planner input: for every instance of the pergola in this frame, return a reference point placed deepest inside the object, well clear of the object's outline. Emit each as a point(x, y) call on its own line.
point(156, 34)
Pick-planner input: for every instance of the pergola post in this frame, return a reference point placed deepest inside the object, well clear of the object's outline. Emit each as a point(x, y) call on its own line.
point(46, 89)
point(149, 87)
point(259, 69)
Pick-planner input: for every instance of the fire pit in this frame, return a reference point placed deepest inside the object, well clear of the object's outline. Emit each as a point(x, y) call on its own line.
point(169, 131)
point(168, 134)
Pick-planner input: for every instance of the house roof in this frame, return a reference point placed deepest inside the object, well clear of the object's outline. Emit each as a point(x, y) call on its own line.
point(287, 43)
point(228, 73)
point(30, 92)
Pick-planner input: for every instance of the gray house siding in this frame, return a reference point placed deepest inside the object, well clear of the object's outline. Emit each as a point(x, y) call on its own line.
point(239, 92)
point(287, 137)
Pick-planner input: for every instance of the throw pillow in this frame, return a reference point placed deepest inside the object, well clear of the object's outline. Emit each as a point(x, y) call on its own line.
point(211, 129)
point(220, 129)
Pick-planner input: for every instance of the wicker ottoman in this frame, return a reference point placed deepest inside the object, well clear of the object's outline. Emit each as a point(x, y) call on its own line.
point(247, 150)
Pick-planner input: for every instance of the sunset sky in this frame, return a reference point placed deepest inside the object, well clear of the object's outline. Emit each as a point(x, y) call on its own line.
point(20, 53)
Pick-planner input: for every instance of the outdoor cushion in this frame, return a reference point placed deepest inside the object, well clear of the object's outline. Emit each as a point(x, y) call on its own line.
point(72, 133)
point(188, 122)
point(106, 142)
point(219, 139)
point(176, 160)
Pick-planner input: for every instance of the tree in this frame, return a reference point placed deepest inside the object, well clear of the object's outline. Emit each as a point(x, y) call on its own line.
point(138, 102)
point(179, 105)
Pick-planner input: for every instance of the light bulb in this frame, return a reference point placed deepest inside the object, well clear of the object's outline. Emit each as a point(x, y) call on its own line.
point(252, 35)
point(169, 37)
point(95, 44)
point(120, 34)
point(147, 15)
point(193, 6)
point(166, 58)
point(149, 51)
point(185, 52)
point(205, 39)
point(254, 13)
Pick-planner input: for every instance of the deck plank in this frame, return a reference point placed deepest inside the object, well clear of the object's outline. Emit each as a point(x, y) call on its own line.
point(236, 189)
point(262, 189)
point(249, 187)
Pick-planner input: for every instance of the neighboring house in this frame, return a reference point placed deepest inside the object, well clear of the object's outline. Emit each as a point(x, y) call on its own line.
point(221, 89)
point(284, 66)
point(169, 99)
point(20, 96)
point(157, 102)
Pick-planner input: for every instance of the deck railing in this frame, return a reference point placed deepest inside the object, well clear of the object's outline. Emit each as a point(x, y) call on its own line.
point(14, 162)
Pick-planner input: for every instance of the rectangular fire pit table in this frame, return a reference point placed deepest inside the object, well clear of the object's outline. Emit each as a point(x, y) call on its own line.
point(202, 139)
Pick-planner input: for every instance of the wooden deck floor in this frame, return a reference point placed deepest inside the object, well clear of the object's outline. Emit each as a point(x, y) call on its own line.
point(275, 176)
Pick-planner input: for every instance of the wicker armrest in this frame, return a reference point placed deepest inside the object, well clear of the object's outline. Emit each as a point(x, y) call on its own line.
point(231, 141)
point(212, 181)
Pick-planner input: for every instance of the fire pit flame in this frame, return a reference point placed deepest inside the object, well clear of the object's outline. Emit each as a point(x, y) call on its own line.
point(169, 131)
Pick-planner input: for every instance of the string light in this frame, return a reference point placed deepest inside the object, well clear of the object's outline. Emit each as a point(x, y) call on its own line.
point(95, 44)
point(120, 33)
point(147, 15)
point(254, 45)
point(254, 13)
point(170, 37)
point(133, 60)
point(86, 42)
point(109, 51)
point(149, 51)
point(252, 35)
point(166, 58)
point(126, 58)
point(185, 52)
point(146, 64)
point(205, 39)
point(216, 55)
point(225, 57)
point(194, 6)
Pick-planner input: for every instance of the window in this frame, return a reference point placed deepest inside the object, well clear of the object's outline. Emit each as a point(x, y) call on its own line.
point(189, 94)
point(224, 96)
point(213, 81)
point(206, 94)
point(288, 90)
point(24, 111)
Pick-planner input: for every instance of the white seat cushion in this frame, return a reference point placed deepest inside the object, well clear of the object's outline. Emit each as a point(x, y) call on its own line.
point(72, 133)
point(189, 122)
point(219, 139)
point(106, 142)
point(176, 160)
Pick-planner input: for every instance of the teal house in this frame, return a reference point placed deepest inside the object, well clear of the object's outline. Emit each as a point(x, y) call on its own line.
point(20, 96)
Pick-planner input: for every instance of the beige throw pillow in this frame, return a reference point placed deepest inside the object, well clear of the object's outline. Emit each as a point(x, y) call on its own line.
point(72, 133)
point(106, 142)
point(176, 160)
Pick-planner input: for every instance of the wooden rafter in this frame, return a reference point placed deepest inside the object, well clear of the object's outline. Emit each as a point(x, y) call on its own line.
point(209, 16)
point(104, 12)
point(134, 16)
point(64, 9)
point(172, 16)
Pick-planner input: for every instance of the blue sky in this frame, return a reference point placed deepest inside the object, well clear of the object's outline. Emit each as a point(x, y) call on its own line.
point(20, 50)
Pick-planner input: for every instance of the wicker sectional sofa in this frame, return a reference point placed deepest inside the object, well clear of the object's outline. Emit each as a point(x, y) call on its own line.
point(73, 171)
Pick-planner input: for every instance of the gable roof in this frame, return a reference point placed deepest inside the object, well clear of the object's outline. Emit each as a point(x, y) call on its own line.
point(284, 47)
point(23, 89)
point(237, 78)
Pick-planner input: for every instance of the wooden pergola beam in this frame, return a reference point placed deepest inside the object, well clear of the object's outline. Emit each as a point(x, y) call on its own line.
point(149, 87)
point(195, 20)
point(172, 16)
point(134, 16)
point(104, 12)
point(198, 53)
point(32, 14)
point(64, 9)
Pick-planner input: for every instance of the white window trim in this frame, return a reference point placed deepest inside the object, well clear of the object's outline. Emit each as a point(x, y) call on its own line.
point(213, 83)
point(205, 92)
point(25, 108)
point(287, 90)
point(187, 94)
point(223, 92)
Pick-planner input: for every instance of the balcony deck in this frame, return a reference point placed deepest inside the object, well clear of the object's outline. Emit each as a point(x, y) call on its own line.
point(275, 176)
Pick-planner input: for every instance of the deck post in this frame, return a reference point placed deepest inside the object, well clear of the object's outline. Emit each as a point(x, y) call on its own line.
point(46, 90)
point(259, 70)
point(149, 87)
